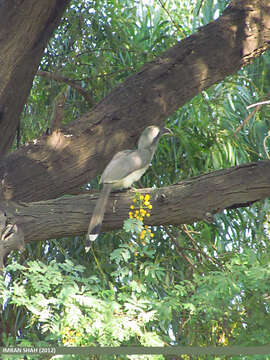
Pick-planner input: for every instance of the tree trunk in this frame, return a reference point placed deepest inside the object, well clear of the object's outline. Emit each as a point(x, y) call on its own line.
point(26, 27)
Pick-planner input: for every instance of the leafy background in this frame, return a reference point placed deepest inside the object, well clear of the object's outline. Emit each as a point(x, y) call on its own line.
point(200, 284)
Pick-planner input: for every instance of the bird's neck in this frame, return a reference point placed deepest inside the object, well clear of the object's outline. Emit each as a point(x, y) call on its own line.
point(147, 153)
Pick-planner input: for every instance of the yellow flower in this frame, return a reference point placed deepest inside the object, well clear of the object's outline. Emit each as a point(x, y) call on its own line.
point(152, 235)
point(147, 197)
point(132, 207)
point(142, 236)
point(141, 197)
point(147, 214)
point(146, 203)
point(130, 215)
point(142, 211)
point(150, 207)
point(134, 200)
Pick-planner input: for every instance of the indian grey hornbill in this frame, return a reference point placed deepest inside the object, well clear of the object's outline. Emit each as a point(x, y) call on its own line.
point(123, 170)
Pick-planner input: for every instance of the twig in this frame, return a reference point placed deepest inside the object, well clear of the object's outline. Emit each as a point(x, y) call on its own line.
point(247, 119)
point(258, 106)
point(178, 247)
point(72, 83)
point(198, 249)
point(186, 231)
point(264, 145)
point(200, 6)
point(58, 111)
point(259, 103)
point(172, 20)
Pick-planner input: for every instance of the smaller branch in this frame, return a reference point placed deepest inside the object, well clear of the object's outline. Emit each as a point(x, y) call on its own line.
point(58, 111)
point(179, 249)
point(72, 83)
point(259, 103)
point(247, 119)
point(258, 106)
point(198, 248)
point(171, 18)
point(264, 145)
point(185, 229)
point(200, 6)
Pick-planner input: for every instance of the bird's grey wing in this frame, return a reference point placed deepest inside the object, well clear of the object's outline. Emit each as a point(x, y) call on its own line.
point(122, 164)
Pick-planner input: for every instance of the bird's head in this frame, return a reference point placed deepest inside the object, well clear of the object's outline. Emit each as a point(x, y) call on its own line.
point(151, 135)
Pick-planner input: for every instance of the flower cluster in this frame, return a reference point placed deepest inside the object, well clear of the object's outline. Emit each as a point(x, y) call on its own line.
point(69, 336)
point(140, 208)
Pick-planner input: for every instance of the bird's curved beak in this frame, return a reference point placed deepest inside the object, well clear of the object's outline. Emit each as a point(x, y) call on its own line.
point(166, 131)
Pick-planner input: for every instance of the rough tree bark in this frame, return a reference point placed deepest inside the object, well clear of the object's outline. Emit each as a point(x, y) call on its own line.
point(55, 164)
point(195, 199)
point(26, 27)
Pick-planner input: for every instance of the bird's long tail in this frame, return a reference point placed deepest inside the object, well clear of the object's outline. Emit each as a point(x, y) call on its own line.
point(98, 215)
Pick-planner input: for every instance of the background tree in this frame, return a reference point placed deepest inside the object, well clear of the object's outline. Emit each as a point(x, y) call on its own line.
point(200, 284)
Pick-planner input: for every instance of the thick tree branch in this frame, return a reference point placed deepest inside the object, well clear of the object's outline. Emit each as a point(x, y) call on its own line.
point(62, 161)
point(198, 198)
point(26, 27)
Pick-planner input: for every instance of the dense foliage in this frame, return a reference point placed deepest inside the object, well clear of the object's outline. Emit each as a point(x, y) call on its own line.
point(197, 284)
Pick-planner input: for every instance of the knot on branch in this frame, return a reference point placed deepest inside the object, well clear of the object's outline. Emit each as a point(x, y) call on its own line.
point(11, 237)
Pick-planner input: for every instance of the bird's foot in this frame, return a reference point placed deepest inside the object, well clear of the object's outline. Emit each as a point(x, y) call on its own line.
point(120, 190)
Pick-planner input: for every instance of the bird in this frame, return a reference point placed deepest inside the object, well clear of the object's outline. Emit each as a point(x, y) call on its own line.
point(125, 168)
